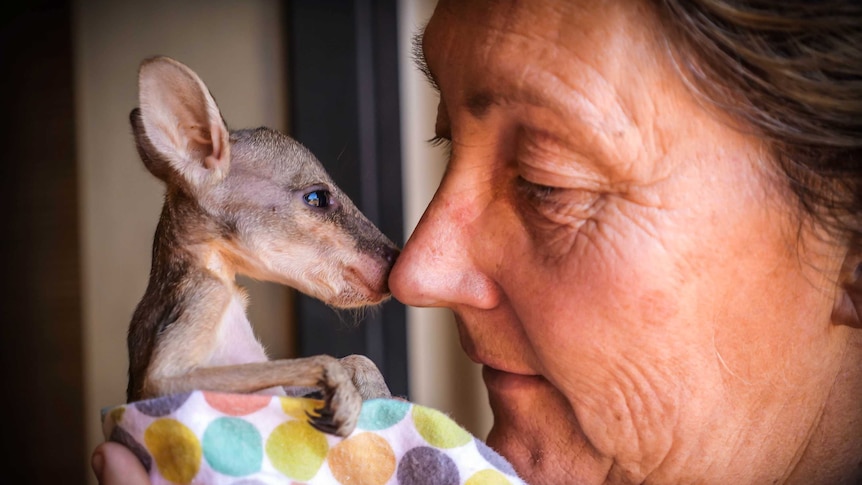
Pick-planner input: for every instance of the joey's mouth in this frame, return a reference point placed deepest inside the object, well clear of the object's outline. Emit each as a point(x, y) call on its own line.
point(359, 278)
point(364, 287)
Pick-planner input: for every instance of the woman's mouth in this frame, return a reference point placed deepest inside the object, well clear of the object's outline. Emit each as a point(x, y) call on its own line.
point(497, 380)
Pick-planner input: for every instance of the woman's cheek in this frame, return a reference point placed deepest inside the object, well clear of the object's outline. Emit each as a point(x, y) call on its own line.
point(620, 315)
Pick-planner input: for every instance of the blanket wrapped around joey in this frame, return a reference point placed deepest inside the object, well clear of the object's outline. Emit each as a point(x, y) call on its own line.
point(217, 438)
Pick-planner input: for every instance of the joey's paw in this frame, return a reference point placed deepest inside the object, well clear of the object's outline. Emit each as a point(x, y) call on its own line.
point(366, 377)
point(341, 402)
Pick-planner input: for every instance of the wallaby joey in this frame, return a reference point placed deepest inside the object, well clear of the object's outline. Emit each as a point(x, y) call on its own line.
point(252, 202)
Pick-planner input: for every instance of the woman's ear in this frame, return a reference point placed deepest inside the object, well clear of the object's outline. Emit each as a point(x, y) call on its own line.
point(848, 300)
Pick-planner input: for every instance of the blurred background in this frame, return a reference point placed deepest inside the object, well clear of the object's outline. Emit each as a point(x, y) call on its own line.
point(81, 209)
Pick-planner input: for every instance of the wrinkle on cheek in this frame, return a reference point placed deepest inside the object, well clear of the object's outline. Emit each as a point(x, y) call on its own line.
point(628, 408)
point(604, 244)
point(556, 238)
point(606, 239)
point(624, 400)
point(563, 243)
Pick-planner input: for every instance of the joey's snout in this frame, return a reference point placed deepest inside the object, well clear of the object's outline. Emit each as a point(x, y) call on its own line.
point(368, 277)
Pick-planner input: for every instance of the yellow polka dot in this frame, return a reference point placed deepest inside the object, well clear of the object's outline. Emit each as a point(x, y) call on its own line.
point(437, 429)
point(175, 449)
point(296, 449)
point(117, 414)
point(296, 407)
point(488, 477)
point(365, 459)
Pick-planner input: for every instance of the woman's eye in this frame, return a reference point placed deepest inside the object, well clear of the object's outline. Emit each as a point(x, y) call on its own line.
point(318, 198)
point(536, 191)
point(563, 205)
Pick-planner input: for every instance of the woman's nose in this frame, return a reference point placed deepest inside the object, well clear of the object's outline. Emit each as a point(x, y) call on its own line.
point(441, 265)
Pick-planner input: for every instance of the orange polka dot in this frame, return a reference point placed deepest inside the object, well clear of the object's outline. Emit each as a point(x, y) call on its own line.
point(363, 459)
point(236, 404)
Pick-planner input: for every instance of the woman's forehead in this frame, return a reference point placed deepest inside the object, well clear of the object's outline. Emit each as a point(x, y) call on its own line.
point(560, 21)
point(501, 43)
point(597, 69)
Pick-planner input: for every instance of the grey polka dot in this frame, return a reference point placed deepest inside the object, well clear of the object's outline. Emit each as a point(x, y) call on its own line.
point(427, 466)
point(162, 406)
point(122, 437)
point(494, 458)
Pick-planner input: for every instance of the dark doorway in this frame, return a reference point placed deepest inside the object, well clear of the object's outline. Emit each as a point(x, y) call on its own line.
point(343, 65)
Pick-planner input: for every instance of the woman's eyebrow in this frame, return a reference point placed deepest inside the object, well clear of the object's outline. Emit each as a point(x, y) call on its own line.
point(418, 57)
point(477, 104)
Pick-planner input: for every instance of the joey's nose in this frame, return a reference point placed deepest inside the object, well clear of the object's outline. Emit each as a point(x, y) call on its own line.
point(389, 254)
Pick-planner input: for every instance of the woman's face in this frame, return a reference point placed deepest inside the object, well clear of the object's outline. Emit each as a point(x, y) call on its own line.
point(624, 264)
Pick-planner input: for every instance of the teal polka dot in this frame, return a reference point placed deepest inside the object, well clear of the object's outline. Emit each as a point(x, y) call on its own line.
point(380, 414)
point(233, 446)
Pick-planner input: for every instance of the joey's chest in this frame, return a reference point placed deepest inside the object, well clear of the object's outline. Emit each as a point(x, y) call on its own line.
point(234, 340)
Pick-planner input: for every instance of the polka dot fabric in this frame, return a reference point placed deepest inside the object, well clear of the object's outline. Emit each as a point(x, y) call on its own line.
point(216, 438)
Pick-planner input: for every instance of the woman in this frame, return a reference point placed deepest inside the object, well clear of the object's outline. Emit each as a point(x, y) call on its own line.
point(648, 232)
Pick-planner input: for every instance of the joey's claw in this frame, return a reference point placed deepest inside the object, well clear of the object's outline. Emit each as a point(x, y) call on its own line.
point(322, 419)
point(342, 403)
point(322, 422)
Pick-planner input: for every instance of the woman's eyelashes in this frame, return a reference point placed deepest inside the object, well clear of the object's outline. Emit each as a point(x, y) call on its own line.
point(440, 140)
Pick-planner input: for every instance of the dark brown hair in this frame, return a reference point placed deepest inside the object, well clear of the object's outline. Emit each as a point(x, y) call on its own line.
point(792, 71)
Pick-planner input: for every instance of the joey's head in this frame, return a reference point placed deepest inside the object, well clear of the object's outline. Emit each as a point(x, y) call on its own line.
point(272, 211)
point(292, 224)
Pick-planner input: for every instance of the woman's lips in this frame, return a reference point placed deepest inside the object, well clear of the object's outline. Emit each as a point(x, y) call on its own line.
point(491, 357)
point(514, 368)
point(511, 368)
point(500, 380)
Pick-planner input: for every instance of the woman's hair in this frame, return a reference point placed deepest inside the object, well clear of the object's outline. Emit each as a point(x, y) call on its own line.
point(792, 71)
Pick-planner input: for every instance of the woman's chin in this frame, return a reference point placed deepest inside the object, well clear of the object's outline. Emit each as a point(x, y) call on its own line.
point(536, 430)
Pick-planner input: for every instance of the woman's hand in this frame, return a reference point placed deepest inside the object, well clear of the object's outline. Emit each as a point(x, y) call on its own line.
point(114, 464)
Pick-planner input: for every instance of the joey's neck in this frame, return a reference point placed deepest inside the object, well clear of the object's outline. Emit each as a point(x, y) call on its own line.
point(188, 240)
point(187, 276)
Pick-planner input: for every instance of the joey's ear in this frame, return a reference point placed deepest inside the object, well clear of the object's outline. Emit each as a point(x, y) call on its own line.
point(848, 301)
point(178, 126)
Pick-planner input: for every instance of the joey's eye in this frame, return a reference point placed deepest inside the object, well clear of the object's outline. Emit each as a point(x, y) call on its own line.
point(318, 198)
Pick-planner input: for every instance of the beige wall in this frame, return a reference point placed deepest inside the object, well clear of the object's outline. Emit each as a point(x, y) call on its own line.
point(235, 47)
